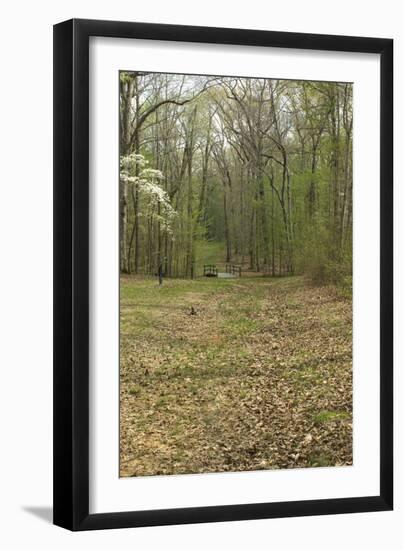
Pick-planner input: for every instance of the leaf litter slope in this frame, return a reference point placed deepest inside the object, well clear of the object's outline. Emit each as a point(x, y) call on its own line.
point(260, 377)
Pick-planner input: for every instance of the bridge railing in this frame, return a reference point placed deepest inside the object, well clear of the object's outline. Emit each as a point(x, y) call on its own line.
point(210, 270)
point(233, 269)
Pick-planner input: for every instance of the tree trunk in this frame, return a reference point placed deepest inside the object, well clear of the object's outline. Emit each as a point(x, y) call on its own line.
point(226, 226)
point(127, 90)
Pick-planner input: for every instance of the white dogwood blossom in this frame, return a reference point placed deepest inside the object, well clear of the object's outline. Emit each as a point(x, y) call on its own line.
point(134, 171)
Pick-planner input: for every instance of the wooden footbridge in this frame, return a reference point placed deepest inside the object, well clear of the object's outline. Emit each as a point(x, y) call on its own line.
point(231, 271)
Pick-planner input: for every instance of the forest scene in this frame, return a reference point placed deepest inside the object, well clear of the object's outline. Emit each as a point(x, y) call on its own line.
point(235, 273)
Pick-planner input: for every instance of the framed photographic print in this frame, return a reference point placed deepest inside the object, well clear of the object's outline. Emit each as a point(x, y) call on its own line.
point(223, 320)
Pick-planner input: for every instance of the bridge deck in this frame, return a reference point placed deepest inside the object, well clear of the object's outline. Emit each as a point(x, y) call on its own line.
point(224, 275)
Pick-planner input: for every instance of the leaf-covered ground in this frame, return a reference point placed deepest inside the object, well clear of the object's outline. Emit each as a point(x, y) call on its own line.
point(259, 378)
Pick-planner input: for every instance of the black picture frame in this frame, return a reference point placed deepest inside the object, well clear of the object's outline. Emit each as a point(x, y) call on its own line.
point(71, 274)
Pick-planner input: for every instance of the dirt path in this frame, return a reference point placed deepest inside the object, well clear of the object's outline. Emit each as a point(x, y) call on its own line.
point(260, 377)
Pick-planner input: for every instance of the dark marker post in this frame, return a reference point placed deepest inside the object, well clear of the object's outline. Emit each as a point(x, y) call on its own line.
point(160, 272)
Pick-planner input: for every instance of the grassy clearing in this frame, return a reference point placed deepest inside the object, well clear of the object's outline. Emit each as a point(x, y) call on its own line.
point(259, 378)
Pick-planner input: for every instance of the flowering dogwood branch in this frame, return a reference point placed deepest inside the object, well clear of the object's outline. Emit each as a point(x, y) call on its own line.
point(134, 171)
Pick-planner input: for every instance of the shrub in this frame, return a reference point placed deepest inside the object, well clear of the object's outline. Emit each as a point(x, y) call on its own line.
point(323, 261)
